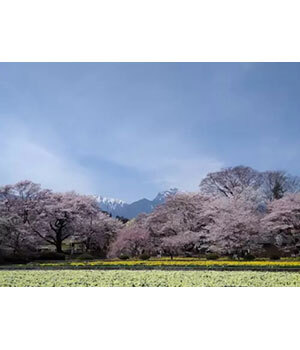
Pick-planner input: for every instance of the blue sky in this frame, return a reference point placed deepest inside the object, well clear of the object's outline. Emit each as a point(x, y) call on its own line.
point(129, 130)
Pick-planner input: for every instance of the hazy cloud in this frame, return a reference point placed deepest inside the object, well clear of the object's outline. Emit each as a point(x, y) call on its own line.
point(23, 158)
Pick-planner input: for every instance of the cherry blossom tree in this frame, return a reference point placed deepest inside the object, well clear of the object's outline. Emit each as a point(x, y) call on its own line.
point(269, 185)
point(234, 228)
point(31, 216)
point(281, 225)
point(184, 244)
point(223, 225)
point(133, 239)
point(60, 217)
point(230, 181)
point(174, 228)
point(14, 235)
point(18, 204)
point(180, 224)
point(96, 230)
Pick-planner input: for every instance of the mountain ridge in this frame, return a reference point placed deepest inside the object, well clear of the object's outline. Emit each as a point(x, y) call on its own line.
point(117, 207)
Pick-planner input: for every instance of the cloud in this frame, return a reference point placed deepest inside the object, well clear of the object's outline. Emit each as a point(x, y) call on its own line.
point(23, 158)
point(186, 173)
point(157, 158)
point(164, 157)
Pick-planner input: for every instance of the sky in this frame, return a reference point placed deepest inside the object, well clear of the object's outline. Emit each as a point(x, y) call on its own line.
point(130, 130)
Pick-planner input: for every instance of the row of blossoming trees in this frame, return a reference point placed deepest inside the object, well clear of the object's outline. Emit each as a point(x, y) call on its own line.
point(238, 211)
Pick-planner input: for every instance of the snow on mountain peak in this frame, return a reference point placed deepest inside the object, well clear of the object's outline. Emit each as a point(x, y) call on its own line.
point(110, 203)
point(164, 194)
point(118, 207)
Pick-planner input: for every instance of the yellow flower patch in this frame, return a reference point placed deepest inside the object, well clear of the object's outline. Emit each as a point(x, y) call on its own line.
point(177, 262)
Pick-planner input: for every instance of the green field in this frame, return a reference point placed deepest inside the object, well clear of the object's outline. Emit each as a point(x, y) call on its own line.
point(179, 272)
point(119, 278)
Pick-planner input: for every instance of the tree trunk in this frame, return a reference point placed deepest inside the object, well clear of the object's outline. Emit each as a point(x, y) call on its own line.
point(59, 243)
point(59, 240)
point(59, 246)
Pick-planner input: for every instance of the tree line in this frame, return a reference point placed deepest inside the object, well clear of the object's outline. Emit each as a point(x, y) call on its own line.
point(237, 211)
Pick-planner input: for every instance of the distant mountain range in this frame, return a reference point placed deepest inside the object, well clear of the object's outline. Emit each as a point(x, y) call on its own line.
point(117, 207)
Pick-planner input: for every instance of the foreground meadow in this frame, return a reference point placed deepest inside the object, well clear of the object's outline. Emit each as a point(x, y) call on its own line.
point(119, 278)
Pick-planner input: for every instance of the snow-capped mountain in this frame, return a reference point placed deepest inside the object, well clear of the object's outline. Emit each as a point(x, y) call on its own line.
point(161, 196)
point(110, 202)
point(118, 207)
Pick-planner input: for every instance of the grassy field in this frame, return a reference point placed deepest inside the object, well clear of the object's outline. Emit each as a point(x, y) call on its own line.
point(179, 272)
point(118, 278)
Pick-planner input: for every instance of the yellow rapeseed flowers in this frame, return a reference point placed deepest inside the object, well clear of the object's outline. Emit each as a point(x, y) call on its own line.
point(176, 262)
